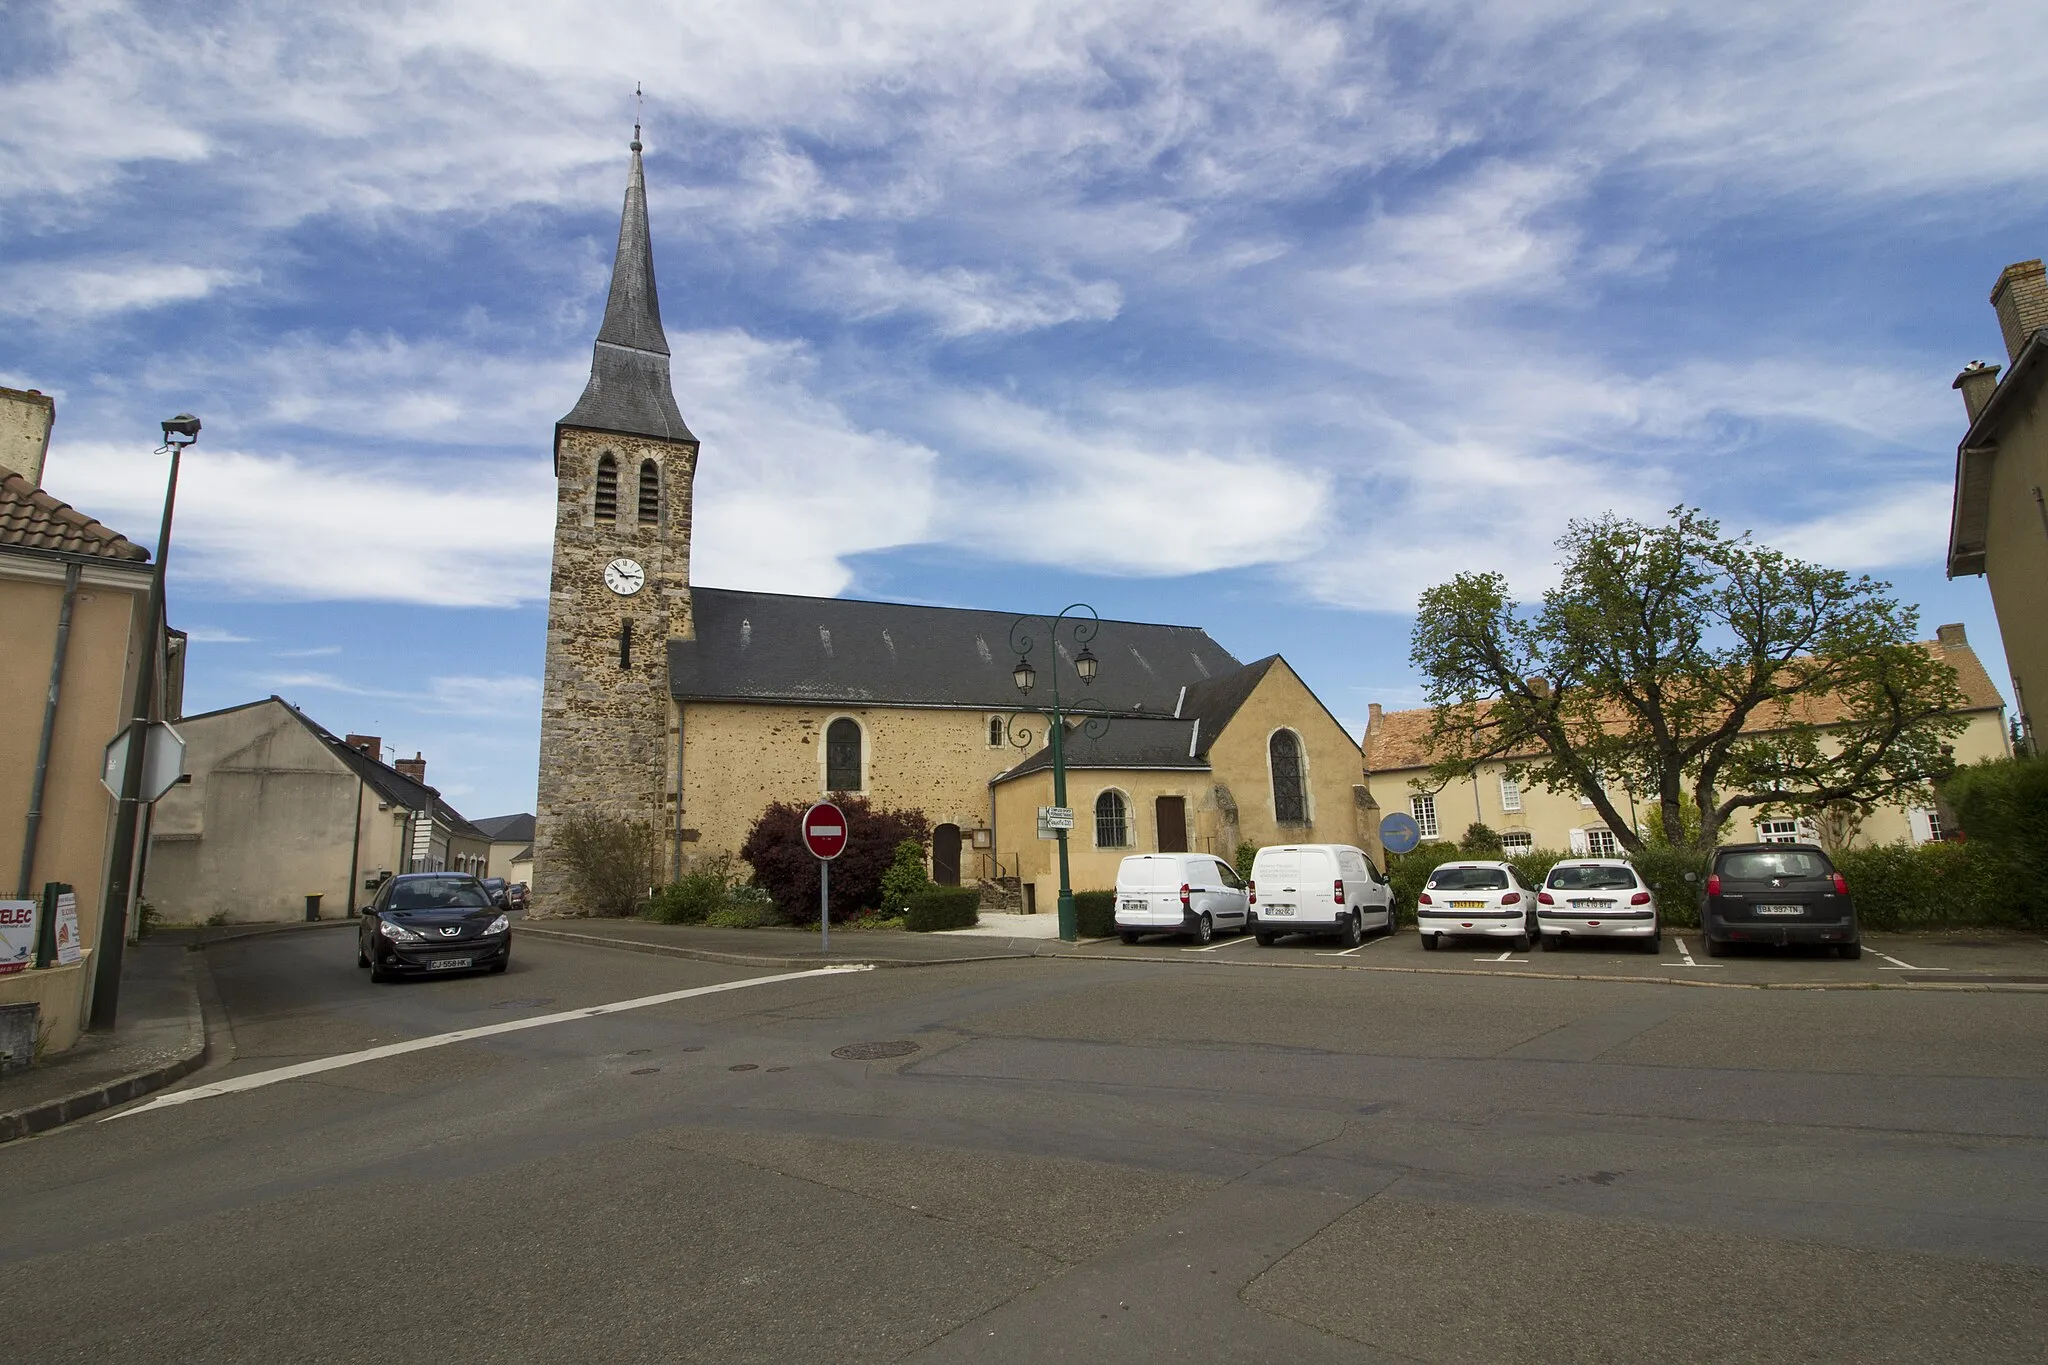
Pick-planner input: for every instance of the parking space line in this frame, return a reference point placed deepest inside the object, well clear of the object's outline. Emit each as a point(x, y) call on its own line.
point(259, 1079)
point(1898, 966)
point(1686, 953)
point(1508, 956)
point(1225, 943)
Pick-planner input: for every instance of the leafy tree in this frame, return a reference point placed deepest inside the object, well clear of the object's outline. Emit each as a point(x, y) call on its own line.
point(1247, 854)
point(905, 878)
point(611, 862)
point(1480, 841)
point(1707, 673)
point(786, 869)
point(2003, 807)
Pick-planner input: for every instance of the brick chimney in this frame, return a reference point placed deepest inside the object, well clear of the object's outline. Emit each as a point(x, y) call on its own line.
point(26, 416)
point(414, 768)
point(1976, 383)
point(369, 745)
point(1951, 637)
point(2021, 298)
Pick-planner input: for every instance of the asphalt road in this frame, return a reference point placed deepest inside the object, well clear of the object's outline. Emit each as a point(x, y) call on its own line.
point(1129, 1159)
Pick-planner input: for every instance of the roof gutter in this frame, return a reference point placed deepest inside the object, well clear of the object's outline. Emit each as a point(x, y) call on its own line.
point(1976, 451)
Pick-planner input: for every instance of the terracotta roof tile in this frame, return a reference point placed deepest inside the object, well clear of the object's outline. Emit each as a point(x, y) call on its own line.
point(33, 520)
point(1399, 740)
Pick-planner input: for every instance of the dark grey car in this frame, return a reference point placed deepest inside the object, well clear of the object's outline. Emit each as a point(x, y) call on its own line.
point(431, 923)
point(1780, 894)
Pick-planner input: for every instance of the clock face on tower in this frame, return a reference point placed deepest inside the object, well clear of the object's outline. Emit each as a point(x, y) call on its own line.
point(624, 577)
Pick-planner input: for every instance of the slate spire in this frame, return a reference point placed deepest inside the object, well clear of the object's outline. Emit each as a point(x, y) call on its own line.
point(629, 385)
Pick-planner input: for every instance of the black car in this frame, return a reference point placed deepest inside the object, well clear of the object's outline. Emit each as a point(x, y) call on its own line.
point(420, 923)
point(1778, 894)
point(499, 892)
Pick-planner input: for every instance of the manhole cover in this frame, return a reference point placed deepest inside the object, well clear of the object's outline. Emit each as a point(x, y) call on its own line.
point(873, 1052)
point(645, 1070)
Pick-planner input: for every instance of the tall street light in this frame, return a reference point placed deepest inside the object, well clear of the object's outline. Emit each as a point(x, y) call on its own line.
point(179, 432)
point(1082, 630)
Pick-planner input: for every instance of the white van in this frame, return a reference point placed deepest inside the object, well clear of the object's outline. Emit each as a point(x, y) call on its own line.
point(1318, 889)
point(1178, 893)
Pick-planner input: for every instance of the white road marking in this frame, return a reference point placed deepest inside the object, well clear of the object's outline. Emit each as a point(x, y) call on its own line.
point(1508, 956)
point(1223, 943)
point(259, 1079)
point(1898, 966)
point(1686, 953)
point(1347, 952)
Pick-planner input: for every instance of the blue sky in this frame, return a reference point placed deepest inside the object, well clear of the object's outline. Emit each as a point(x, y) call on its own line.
point(1257, 316)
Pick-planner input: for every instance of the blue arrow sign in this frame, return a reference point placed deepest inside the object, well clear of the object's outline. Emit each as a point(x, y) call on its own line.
point(1399, 833)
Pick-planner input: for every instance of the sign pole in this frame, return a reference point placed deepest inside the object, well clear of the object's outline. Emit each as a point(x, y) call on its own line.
point(824, 906)
point(824, 833)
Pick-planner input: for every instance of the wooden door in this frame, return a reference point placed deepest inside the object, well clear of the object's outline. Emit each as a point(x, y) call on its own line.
point(1172, 815)
point(946, 855)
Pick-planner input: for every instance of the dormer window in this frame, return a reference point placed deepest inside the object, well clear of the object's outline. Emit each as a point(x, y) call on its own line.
point(607, 488)
point(650, 493)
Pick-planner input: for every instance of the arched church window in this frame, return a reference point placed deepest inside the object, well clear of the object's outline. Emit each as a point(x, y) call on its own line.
point(995, 732)
point(1112, 820)
point(607, 488)
point(650, 493)
point(842, 756)
point(1290, 802)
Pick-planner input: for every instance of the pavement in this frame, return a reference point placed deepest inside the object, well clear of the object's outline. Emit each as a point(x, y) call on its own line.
point(1065, 1154)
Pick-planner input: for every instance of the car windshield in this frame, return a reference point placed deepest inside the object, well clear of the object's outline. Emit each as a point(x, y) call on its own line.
point(439, 895)
point(1592, 879)
point(1468, 879)
point(1758, 865)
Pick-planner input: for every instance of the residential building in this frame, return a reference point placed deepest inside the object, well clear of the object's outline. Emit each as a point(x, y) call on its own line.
point(511, 839)
point(1528, 817)
point(73, 639)
point(1998, 524)
point(279, 808)
point(692, 709)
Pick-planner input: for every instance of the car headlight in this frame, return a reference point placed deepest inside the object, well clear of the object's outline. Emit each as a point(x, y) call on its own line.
point(499, 925)
point(398, 933)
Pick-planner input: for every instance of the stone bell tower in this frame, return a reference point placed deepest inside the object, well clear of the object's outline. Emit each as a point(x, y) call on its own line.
point(620, 588)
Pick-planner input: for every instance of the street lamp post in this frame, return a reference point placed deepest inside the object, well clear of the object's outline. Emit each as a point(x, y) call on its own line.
point(179, 432)
point(1025, 676)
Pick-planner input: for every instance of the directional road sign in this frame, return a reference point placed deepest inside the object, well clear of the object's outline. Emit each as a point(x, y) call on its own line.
point(824, 828)
point(1056, 817)
point(163, 761)
point(1399, 833)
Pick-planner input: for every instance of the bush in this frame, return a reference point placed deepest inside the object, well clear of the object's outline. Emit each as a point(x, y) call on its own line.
point(1480, 841)
point(1095, 911)
point(2002, 806)
point(1533, 866)
point(905, 878)
point(788, 872)
point(1408, 871)
point(707, 887)
point(1663, 868)
point(742, 914)
point(1247, 854)
point(942, 907)
point(1931, 886)
point(610, 861)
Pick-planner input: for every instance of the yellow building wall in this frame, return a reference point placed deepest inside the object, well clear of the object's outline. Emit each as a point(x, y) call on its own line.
point(2016, 561)
point(1240, 759)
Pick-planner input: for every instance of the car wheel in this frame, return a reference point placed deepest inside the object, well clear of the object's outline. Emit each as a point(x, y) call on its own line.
point(1429, 942)
point(377, 972)
point(1850, 950)
point(1205, 928)
point(1350, 935)
point(1267, 940)
point(1129, 939)
point(1393, 922)
point(361, 960)
point(498, 967)
point(1714, 946)
point(1654, 944)
point(1522, 942)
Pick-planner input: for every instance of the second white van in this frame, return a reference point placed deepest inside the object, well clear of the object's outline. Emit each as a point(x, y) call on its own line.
point(1331, 889)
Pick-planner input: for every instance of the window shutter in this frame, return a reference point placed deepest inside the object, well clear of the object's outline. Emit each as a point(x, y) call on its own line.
point(1578, 842)
point(1922, 828)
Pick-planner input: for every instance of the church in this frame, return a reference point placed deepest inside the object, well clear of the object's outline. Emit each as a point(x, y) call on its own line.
point(693, 708)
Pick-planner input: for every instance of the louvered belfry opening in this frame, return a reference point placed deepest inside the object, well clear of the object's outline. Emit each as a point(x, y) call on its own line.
point(650, 493)
point(607, 488)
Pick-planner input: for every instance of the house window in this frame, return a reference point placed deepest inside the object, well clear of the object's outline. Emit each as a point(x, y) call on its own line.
point(995, 732)
point(1600, 842)
point(650, 493)
point(842, 756)
point(1290, 802)
point(607, 488)
point(1423, 807)
point(1112, 821)
point(1510, 794)
point(1777, 831)
point(1517, 841)
point(1935, 834)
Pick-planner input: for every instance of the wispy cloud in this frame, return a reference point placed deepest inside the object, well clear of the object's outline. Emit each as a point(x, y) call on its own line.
point(317, 652)
point(451, 696)
point(215, 635)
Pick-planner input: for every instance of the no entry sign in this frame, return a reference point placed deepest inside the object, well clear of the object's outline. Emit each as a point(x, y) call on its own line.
point(824, 829)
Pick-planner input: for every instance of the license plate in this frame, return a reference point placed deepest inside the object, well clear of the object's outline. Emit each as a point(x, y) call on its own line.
point(1780, 909)
point(1468, 905)
point(1592, 905)
point(1271, 908)
point(1136, 905)
point(443, 964)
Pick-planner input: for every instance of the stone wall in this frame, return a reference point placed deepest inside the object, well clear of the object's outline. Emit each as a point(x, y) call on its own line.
point(607, 732)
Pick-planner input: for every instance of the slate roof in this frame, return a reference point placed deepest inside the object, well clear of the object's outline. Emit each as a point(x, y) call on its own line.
point(507, 829)
point(1124, 743)
point(1395, 741)
point(629, 389)
point(1977, 452)
point(31, 519)
point(389, 783)
point(757, 646)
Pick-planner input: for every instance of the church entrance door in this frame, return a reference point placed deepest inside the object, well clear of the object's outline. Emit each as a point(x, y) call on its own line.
point(946, 855)
point(1172, 814)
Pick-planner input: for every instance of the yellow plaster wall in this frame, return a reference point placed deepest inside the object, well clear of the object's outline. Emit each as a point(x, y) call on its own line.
point(1240, 759)
point(2016, 560)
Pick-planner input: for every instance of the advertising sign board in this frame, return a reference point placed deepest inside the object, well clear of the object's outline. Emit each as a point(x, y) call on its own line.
point(68, 950)
point(17, 935)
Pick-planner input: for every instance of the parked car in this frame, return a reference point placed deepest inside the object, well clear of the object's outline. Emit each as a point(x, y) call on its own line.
point(1476, 900)
point(421, 923)
point(1318, 889)
point(1598, 898)
point(498, 892)
point(516, 895)
point(1179, 893)
point(1779, 894)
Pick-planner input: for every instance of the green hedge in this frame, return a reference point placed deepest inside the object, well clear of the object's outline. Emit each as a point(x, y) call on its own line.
point(1663, 868)
point(942, 907)
point(1932, 886)
point(1095, 914)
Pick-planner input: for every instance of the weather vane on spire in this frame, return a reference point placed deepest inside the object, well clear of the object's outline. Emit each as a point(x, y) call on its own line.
point(636, 116)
